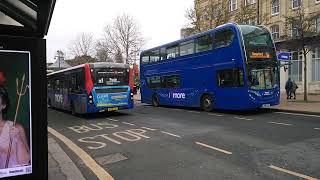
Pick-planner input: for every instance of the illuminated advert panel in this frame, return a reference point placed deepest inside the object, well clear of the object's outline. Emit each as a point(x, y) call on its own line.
point(15, 113)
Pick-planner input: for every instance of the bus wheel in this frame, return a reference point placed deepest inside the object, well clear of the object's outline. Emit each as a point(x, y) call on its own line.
point(207, 103)
point(155, 101)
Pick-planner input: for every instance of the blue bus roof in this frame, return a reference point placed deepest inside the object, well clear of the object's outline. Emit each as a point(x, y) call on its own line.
point(193, 36)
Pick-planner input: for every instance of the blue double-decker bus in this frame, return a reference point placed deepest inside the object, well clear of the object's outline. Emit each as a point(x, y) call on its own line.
point(91, 88)
point(231, 67)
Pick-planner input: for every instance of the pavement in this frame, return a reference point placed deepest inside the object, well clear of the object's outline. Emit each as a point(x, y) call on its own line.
point(298, 105)
point(61, 166)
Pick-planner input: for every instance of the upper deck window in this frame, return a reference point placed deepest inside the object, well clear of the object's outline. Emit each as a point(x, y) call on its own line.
point(173, 52)
point(187, 48)
point(223, 38)
point(204, 43)
point(154, 56)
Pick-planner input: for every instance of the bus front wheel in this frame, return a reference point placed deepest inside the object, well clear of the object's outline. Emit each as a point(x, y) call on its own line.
point(207, 103)
point(155, 101)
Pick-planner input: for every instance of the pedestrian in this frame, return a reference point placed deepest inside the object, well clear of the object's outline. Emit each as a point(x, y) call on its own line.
point(288, 88)
point(19, 154)
point(294, 88)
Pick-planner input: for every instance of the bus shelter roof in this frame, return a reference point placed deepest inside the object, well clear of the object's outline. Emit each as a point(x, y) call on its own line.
point(27, 18)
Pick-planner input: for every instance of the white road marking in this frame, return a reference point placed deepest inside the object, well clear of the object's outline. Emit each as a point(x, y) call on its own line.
point(242, 118)
point(292, 173)
point(214, 148)
point(317, 128)
point(86, 158)
point(128, 123)
point(112, 120)
point(285, 124)
point(212, 114)
point(194, 112)
point(148, 128)
point(298, 114)
point(170, 134)
point(176, 109)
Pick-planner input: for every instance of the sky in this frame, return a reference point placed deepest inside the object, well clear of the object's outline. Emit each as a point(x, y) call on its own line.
point(160, 21)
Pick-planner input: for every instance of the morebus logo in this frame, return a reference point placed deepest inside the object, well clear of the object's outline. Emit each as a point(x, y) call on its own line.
point(179, 95)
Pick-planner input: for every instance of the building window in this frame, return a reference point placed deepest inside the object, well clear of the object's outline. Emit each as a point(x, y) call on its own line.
point(295, 31)
point(233, 5)
point(275, 7)
point(296, 3)
point(275, 32)
point(248, 2)
point(316, 65)
point(318, 24)
point(295, 69)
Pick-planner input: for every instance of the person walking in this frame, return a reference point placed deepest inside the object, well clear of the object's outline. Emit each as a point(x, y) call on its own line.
point(294, 88)
point(288, 88)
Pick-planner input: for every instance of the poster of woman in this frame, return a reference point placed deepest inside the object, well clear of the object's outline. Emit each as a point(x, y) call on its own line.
point(15, 114)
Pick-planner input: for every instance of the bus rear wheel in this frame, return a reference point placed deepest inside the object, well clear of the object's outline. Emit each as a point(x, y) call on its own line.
point(155, 101)
point(207, 103)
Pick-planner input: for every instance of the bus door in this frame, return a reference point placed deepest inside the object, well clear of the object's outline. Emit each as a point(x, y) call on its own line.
point(230, 84)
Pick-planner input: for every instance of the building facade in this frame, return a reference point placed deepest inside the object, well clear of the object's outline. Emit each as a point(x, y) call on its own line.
point(272, 14)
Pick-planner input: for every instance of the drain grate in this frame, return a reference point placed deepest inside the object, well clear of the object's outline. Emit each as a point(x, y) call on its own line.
point(110, 159)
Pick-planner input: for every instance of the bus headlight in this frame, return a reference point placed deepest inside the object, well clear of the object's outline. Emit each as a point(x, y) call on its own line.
point(90, 101)
point(90, 97)
point(254, 92)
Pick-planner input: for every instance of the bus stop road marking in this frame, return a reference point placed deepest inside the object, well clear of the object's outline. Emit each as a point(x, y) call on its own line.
point(212, 114)
point(292, 173)
point(86, 158)
point(284, 124)
point(112, 120)
point(298, 114)
point(170, 134)
point(241, 118)
point(148, 128)
point(214, 148)
point(128, 123)
point(194, 112)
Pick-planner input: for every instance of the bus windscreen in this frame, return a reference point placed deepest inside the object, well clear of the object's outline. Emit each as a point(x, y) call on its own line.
point(110, 77)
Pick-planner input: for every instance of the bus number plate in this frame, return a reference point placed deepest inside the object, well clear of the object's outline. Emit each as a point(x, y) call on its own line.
point(265, 105)
point(113, 109)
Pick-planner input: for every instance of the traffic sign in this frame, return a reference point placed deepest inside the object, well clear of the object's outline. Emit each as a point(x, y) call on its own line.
point(284, 56)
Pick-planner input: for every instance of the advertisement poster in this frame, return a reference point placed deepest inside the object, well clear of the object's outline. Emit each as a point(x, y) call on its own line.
point(15, 113)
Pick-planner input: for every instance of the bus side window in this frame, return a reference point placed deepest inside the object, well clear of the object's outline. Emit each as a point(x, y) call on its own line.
point(223, 38)
point(204, 43)
point(154, 82)
point(230, 78)
point(163, 54)
point(154, 56)
point(173, 52)
point(186, 48)
point(172, 81)
point(145, 59)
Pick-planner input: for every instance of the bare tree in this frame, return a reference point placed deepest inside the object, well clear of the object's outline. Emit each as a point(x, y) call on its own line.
point(103, 52)
point(245, 14)
point(82, 45)
point(211, 16)
point(124, 36)
point(302, 26)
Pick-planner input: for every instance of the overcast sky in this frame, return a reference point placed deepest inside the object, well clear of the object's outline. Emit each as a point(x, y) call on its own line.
point(160, 20)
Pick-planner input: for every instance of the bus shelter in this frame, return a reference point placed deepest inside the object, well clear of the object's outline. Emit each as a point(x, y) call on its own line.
point(23, 26)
